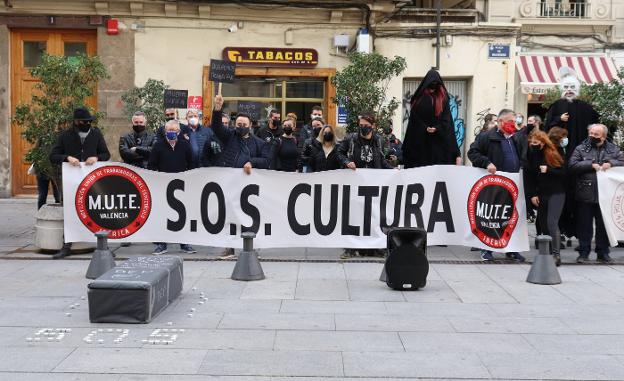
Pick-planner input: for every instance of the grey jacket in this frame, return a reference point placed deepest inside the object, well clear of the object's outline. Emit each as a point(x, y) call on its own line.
point(581, 164)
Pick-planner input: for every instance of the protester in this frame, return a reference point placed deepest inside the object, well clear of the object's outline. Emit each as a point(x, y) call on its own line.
point(430, 135)
point(240, 148)
point(594, 154)
point(323, 153)
point(498, 150)
point(363, 149)
point(287, 153)
point(394, 147)
point(135, 147)
point(198, 136)
point(81, 143)
point(307, 130)
point(304, 163)
point(170, 114)
point(43, 186)
point(545, 186)
point(271, 134)
point(567, 224)
point(535, 122)
point(212, 148)
point(570, 113)
point(519, 121)
point(172, 156)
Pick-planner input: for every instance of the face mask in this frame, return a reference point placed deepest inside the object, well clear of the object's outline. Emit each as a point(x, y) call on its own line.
point(328, 137)
point(519, 121)
point(138, 128)
point(564, 142)
point(168, 118)
point(509, 128)
point(312, 117)
point(594, 141)
point(316, 131)
point(172, 135)
point(365, 130)
point(288, 130)
point(242, 131)
point(276, 123)
point(83, 127)
point(530, 126)
point(194, 121)
point(535, 147)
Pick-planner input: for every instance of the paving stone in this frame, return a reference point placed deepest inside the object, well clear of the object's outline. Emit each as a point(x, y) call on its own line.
point(480, 291)
point(58, 377)
point(410, 365)
point(577, 344)
point(333, 307)
point(373, 290)
point(32, 358)
point(260, 363)
point(474, 310)
point(560, 367)
point(392, 323)
point(278, 321)
point(588, 293)
point(436, 291)
point(225, 339)
point(321, 271)
point(218, 288)
point(495, 324)
point(133, 360)
point(322, 289)
point(338, 341)
point(269, 289)
point(427, 342)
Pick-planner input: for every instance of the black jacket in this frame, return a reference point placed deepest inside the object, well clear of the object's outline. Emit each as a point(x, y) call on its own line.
point(582, 114)
point(272, 139)
point(543, 184)
point(487, 149)
point(317, 160)
point(68, 144)
point(350, 150)
point(581, 164)
point(144, 142)
point(165, 158)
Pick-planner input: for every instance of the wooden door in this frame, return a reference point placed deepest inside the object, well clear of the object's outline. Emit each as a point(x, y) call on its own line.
point(27, 47)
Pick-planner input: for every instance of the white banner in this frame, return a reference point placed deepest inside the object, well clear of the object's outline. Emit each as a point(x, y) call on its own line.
point(611, 199)
point(341, 208)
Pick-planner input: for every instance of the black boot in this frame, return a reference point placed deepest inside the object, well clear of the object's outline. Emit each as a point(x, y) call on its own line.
point(64, 252)
point(557, 259)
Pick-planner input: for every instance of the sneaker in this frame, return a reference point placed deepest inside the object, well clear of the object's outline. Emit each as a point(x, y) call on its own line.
point(605, 258)
point(228, 253)
point(486, 256)
point(187, 249)
point(517, 257)
point(582, 259)
point(160, 249)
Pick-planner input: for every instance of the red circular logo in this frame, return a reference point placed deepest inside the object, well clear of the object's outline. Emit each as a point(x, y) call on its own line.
point(492, 210)
point(113, 198)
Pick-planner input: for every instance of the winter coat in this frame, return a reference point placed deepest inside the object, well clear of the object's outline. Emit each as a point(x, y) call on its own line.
point(165, 158)
point(582, 114)
point(237, 151)
point(537, 183)
point(487, 148)
point(581, 162)
point(68, 144)
point(144, 142)
point(318, 161)
point(350, 150)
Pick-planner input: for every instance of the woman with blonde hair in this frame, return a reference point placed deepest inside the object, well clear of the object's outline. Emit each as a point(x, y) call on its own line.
point(322, 151)
point(545, 186)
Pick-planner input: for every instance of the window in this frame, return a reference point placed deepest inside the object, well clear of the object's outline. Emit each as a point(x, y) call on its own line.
point(256, 96)
point(33, 51)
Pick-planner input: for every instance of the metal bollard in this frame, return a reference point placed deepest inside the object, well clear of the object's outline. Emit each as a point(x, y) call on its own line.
point(247, 265)
point(102, 258)
point(543, 270)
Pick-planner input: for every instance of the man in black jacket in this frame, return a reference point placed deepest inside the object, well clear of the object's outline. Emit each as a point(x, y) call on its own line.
point(271, 134)
point(499, 149)
point(172, 155)
point(78, 144)
point(365, 148)
point(594, 154)
point(136, 146)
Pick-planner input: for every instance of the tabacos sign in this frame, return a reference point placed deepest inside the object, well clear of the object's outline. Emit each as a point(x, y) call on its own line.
point(277, 57)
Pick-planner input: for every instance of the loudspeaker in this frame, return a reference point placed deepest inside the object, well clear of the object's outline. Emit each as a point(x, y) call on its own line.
point(407, 266)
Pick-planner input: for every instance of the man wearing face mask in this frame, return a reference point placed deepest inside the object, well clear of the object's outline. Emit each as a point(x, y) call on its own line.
point(569, 112)
point(307, 130)
point(365, 148)
point(304, 164)
point(394, 153)
point(173, 155)
point(241, 149)
point(271, 134)
point(594, 154)
point(135, 147)
point(80, 143)
point(498, 149)
point(198, 136)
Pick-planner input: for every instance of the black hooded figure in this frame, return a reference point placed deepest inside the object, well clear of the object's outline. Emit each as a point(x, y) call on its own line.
point(430, 136)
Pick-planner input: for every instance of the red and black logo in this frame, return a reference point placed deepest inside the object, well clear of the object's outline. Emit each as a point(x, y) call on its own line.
point(113, 198)
point(492, 210)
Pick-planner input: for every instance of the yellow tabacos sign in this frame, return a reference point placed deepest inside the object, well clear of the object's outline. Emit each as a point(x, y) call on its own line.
point(271, 57)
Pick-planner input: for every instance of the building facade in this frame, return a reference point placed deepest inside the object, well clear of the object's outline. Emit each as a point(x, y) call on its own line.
point(287, 52)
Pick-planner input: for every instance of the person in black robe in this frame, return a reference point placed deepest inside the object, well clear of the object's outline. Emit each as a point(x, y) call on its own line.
point(430, 136)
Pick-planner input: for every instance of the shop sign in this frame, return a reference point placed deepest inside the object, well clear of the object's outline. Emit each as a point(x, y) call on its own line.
point(195, 102)
point(498, 51)
point(275, 57)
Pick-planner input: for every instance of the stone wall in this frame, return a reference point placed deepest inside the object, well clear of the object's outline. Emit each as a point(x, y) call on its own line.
point(5, 112)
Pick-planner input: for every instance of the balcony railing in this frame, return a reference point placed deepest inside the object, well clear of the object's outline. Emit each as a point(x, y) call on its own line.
point(563, 9)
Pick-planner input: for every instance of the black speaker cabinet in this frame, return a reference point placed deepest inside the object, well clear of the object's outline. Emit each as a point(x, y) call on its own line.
point(407, 266)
